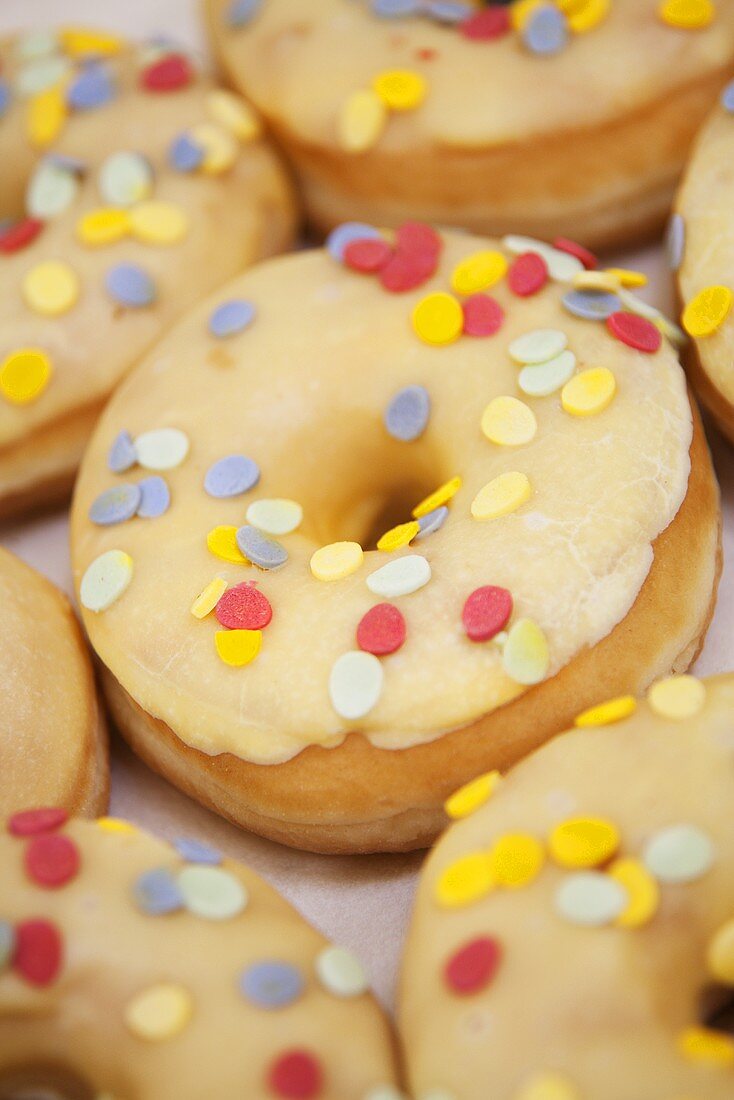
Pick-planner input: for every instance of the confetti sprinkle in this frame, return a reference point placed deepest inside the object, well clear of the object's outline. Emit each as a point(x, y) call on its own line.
point(336, 561)
point(516, 859)
point(591, 305)
point(241, 12)
point(155, 497)
point(538, 346)
point(687, 14)
point(169, 74)
point(361, 121)
point(400, 89)
point(210, 595)
point(679, 853)
point(238, 648)
point(194, 851)
point(381, 630)
point(277, 516)
point(400, 577)
point(340, 972)
point(231, 476)
point(234, 114)
point(634, 331)
point(472, 796)
point(24, 375)
point(46, 117)
point(478, 272)
point(483, 316)
point(544, 379)
point(508, 422)
point(20, 235)
point(438, 319)
point(675, 241)
point(80, 42)
point(398, 537)
point(51, 190)
point(7, 943)
point(222, 542)
point(156, 892)
point(51, 288)
point(244, 607)
point(344, 234)
point(105, 580)
point(231, 318)
point(91, 89)
point(677, 697)
point(212, 893)
point(130, 286)
point(501, 496)
point(583, 842)
point(720, 954)
point(589, 392)
point(484, 26)
point(52, 860)
point(727, 101)
point(38, 952)
point(367, 256)
point(563, 266)
point(161, 448)
point(355, 684)
point(473, 967)
point(260, 549)
point(295, 1075)
point(431, 522)
point(159, 1013)
point(486, 612)
point(103, 227)
point(590, 899)
point(271, 984)
point(34, 822)
point(438, 498)
point(466, 880)
point(219, 146)
point(573, 248)
point(527, 275)
point(700, 1044)
point(184, 154)
point(642, 891)
point(158, 223)
point(115, 505)
point(546, 31)
point(604, 714)
point(706, 313)
point(407, 415)
point(525, 657)
point(548, 1086)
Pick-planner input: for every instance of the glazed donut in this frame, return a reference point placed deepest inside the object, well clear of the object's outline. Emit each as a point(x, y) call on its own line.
point(53, 740)
point(133, 186)
point(451, 561)
point(137, 969)
point(510, 119)
point(701, 251)
point(573, 935)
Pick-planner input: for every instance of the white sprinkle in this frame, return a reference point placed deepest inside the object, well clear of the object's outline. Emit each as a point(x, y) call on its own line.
point(105, 580)
point(161, 448)
point(355, 684)
point(590, 898)
point(400, 577)
point(340, 971)
point(680, 853)
point(538, 346)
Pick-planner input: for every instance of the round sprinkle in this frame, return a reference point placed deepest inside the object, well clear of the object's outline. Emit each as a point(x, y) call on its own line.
point(573, 248)
point(234, 114)
point(400, 89)
point(231, 318)
point(7, 943)
point(231, 476)
point(238, 648)
point(546, 378)
point(184, 154)
point(355, 684)
point(277, 516)
point(38, 951)
point(727, 98)
point(483, 316)
point(156, 892)
point(704, 1045)
point(260, 549)
point(222, 542)
point(367, 256)
point(675, 241)
point(131, 286)
point(626, 277)
point(546, 31)
point(525, 657)
point(720, 954)
point(473, 967)
point(169, 74)
point(103, 227)
point(516, 859)
point(163, 223)
point(600, 280)
point(484, 25)
point(20, 235)
point(5, 97)
point(538, 346)
point(78, 42)
point(432, 522)
point(591, 305)
point(486, 612)
point(24, 375)
point(438, 319)
point(562, 265)
point(241, 12)
point(687, 14)
point(361, 121)
point(590, 15)
point(244, 607)
point(51, 288)
point(634, 331)
point(406, 417)
point(295, 1075)
point(47, 114)
point(155, 497)
point(159, 1013)
point(336, 561)
point(340, 972)
point(583, 842)
point(91, 89)
point(212, 893)
point(219, 146)
point(381, 630)
point(35, 822)
point(679, 853)
point(466, 880)
point(473, 795)
point(604, 714)
point(52, 860)
point(340, 237)
point(194, 851)
point(548, 1086)
point(105, 580)
point(42, 73)
point(125, 178)
point(396, 9)
point(115, 505)
point(439, 497)
point(51, 190)
point(528, 274)
point(501, 496)
point(707, 311)
point(271, 984)
point(210, 595)
point(589, 392)
point(398, 537)
point(509, 422)
point(641, 889)
point(161, 448)
point(478, 272)
point(400, 577)
point(591, 899)
point(677, 697)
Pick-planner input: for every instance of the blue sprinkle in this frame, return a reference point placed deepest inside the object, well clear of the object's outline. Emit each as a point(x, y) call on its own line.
point(396, 9)
point(407, 414)
point(5, 97)
point(449, 11)
point(122, 454)
point(242, 12)
point(92, 88)
point(675, 241)
point(431, 522)
point(67, 164)
point(184, 154)
point(546, 31)
point(7, 943)
point(259, 549)
point(194, 851)
point(271, 984)
point(231, 476)
point(157, 892)
point(591, 305)
point(130, 285)
point(155, 497)
point(231, 317)
point(344, 234)
point(727, 98)
point(115, 505)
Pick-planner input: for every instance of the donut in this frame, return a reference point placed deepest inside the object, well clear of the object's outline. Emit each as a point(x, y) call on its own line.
point(133, 967)
point(700, 240)
point(573, 934)
point(388, 563)
point(131, 186)
point(528, 118)
point(53, 741)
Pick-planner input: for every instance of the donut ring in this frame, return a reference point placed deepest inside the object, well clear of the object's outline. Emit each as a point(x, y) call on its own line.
point(319, 728)
point(572, 936)
point(497, 126)
point(120, 173)
point(53, 740)
point(132, 968)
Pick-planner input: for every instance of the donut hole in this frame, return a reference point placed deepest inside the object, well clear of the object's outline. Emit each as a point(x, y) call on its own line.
point(716, 1008)
point(45, 1082)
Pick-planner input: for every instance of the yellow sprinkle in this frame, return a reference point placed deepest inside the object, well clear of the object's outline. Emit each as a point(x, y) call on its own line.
point(466, 880)
point(238, 647)
point(583, 842)
point(160, 1012)
point(478, 272)
point(589, 16)
point(116, 825)
point(720, 954)
point(516, 859)
point(24, 375)
point(361, 121)
point(626, 277)
point(208, 598)
point(677, 697)
point(80, 42)
point(504, 494)
point(400, 89)
point(336, 561)
point(525, 657)
point(51, 288)
point(509, 422)
point(597, 280)
point(156, 222)
point(399, 536)
point(107, 225)
point(219, 145)
point(701, 1044)
point(643, 891)
point(222, 541)
point(568, 7)
point(46, 117)
point(521, 11)
point(589, 392)
point(472, 795)
point(234, 115)
point(687, 14)
point(438, 319)
point(707, 311)
point(440, 496)
point(613, 710)
point(548, 1086)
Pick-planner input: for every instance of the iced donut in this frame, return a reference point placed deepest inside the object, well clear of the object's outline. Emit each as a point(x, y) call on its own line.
point(701, 250)
point(133, 968)
point(573, 937)
point(403, 533)
point(530, 117)
point(131, 186)
point(53, 742)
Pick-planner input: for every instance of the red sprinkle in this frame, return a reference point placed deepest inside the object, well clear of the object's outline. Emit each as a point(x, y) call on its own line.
point(635, 331)
point(244, 607)
point(20, 235)
point(528, 274)
point(38, 951)
point(408, 270)
point(493, 22)
point(381, 630)
point(296, 1075)
point(486, 612)
point(167, 75)
point(52, 860)
point(588, 259)
point(417, 237)
point(367, 255)
point(33, 822)
point(473, 966)
point(483, 316)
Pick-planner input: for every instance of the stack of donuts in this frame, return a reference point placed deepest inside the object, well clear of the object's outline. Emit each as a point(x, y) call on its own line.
point(393, 527)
